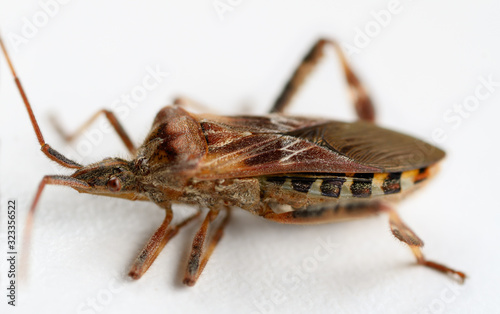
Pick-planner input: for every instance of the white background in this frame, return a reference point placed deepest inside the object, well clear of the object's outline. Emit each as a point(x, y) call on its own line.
point(427, 58)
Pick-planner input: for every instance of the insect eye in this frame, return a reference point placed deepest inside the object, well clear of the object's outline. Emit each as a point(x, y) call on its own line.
point(114, 184)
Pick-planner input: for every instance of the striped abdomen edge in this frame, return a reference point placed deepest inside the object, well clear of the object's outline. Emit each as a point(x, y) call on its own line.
point(356, 185)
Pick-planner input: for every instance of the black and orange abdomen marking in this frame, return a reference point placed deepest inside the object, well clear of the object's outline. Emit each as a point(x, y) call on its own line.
point(392, 183)
point(346, 185)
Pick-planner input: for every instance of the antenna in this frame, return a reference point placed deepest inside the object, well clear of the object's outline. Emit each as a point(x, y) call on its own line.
point(45, 148)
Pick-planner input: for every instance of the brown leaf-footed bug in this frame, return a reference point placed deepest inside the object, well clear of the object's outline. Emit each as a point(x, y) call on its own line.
point(292, 170)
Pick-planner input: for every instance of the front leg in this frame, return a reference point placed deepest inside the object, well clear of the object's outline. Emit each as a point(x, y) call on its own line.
point(112, 120)
point(157, 242)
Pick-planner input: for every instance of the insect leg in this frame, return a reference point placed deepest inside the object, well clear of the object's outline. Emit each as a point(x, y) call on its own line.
point(188, 102)
point(53, 180)
point(112, 120)
point(359, 95)
point(157, 242)
point(403, 233)
point(199, 257)
point(398, 228)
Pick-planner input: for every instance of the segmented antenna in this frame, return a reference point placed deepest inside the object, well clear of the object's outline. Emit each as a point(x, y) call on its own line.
point(45, 148)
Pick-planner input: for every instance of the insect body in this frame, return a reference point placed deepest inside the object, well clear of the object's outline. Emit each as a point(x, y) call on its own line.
point(287, 169)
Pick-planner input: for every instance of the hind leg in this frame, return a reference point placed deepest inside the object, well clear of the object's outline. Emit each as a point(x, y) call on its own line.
point(403, 233)
point(359, 96)
point(338, 212)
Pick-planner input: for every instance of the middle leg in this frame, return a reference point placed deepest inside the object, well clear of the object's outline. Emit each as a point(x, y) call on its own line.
point(199, 254)
point(190, 103)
